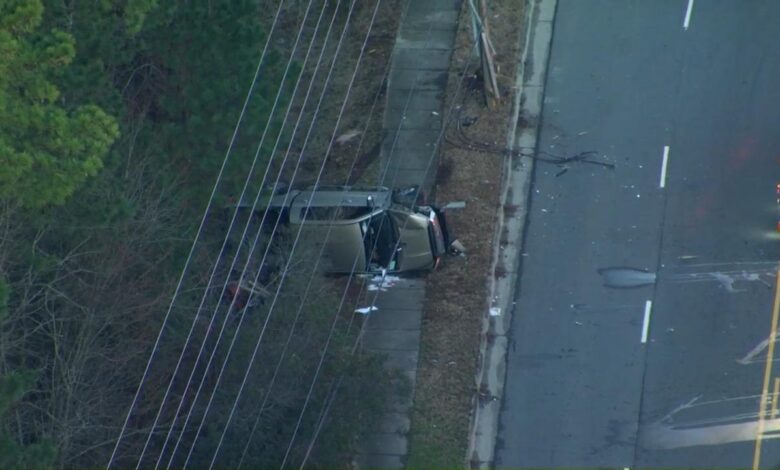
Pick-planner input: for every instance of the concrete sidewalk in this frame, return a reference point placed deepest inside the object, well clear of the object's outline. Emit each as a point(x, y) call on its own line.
point(411, 127)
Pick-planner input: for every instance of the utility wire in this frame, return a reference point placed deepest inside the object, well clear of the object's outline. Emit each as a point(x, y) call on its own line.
point(240, 323)
point(303, 218)
point(222, 249)
point(268, 247)
point(297, 238)
point(352, 272)
point(282, 355)
point(194, 243)
point(331, 397)
point(373, 304)
point(248, 259)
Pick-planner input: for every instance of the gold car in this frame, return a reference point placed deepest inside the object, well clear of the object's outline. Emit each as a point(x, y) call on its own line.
point(369, 229)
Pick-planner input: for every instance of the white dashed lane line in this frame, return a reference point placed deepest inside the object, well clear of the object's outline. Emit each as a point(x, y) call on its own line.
point(665, 161)
point(646, 322)
point(688, 15)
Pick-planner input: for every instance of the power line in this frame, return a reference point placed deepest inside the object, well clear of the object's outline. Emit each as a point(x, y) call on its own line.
point(331, 397)
point(297, 238)
point(243, 236)
point(312, 276)
point(213, 272)
point(299, 231)
point(352, 272)
point(243, 274)
point(194, 243)
point(373, 304)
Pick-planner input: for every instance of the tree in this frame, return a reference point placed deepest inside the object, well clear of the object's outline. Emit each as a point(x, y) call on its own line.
point(13, 453)
point(47, 150)
point(89, 274)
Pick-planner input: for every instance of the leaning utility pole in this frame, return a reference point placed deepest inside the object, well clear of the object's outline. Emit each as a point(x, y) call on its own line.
point(486, 52)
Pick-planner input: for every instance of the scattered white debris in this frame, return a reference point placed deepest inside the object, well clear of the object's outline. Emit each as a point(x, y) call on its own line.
point(495, 311)
point(582, 133)
point(727, 282)
point(457, 247)
point(347, 136)
point(366, 310)
point(750, 276)
point(382, 283)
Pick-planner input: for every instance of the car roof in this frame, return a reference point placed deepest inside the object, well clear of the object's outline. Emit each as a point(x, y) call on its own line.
point(340, 198)
point(343, 196)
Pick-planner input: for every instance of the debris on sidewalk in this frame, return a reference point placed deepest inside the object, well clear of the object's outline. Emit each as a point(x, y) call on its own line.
point(382, 283)
point(366, 310)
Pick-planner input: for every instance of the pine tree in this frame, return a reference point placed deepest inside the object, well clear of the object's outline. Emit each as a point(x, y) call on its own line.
point(47, 150)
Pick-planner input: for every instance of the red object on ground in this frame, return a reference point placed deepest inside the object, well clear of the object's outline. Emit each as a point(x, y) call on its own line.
point(238, 297)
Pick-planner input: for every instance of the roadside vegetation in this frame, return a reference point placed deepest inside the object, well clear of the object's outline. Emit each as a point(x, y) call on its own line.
point(115, 117)
point(457, 295)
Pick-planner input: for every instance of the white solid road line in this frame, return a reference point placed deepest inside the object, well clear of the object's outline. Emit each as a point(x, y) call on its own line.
point(662, 183)
point(646, 322)
point(688, 14)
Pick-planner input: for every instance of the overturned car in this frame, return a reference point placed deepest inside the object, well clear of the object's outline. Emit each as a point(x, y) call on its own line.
point(362, 229)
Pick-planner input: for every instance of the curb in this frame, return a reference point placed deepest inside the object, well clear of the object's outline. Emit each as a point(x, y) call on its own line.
point(508, 237)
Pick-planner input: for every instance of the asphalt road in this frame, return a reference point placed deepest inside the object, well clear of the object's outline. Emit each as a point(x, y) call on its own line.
point(672, 373)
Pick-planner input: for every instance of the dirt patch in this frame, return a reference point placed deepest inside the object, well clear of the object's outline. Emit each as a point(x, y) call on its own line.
point(354, 99)
point(457, 295)
point(363, 162)
point(365, 100)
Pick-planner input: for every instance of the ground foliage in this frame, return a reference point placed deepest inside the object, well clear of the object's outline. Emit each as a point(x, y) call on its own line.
point(456, 303)
point(115, 117)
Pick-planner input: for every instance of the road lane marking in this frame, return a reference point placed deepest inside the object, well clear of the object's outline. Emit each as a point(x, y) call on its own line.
point(770, 351)
point(663, 166)
point(774, 397)
point(688, 14)
point(749, 357)
point(646, 322)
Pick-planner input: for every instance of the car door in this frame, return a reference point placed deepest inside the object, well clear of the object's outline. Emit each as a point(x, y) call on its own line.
point(416, 252)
